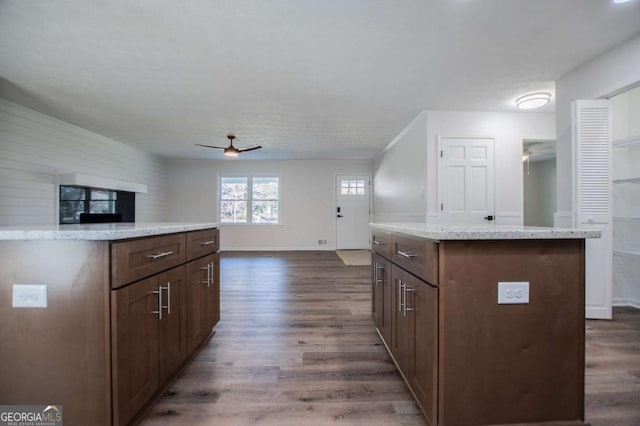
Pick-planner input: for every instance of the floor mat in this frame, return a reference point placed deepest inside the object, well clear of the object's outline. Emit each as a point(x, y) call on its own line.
point(355, 257)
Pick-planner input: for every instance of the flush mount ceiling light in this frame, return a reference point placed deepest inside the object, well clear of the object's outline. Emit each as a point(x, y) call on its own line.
point(533, 100)
point(621, 1)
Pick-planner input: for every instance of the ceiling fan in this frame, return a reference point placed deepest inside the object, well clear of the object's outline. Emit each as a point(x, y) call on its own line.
point(231, 151)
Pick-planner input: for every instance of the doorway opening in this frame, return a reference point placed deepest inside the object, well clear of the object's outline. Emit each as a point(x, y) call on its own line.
point(539, 182)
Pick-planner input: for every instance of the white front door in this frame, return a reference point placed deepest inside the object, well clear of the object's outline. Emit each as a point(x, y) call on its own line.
point(466, 180)
point(352, 212)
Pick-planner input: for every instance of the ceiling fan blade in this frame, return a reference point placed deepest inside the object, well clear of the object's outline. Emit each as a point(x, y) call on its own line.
point(249, 149)
point(211, 146)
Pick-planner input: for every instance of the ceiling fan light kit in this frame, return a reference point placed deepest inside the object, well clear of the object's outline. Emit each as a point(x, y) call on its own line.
point(231, 151)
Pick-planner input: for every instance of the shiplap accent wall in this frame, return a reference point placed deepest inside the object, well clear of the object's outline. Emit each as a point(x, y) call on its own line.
point(34, 148)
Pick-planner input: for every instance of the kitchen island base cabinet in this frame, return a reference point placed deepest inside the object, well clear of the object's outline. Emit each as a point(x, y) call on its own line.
point(114, 332)
point(469, 360)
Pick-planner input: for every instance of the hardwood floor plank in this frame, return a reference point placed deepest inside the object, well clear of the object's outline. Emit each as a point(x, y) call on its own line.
point(296, 346)
point(612, 394)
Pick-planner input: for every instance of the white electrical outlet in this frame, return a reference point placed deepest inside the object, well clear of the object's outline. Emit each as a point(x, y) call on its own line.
point(29, 296)
point(513, 293)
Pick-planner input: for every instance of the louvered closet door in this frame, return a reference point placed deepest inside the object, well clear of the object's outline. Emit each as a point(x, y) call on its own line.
point(591, 132)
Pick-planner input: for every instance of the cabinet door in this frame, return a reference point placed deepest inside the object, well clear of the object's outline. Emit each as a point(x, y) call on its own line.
point(212, 306)
point(423, 344)
point(202, 299)
point(399, 318)
point(376, 291)
point(172, 332)
point(381, 304)
point(135, 347)
point(198, 277)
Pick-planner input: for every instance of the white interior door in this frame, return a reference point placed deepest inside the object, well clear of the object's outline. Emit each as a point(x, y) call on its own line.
point(352, 211)
point(466, 180)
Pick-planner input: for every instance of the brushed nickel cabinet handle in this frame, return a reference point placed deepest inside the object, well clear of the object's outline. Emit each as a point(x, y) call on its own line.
point(377, 275)
point(400, 296)
point(168, 305)
point(159, 255)
point(407, 307)
point(206, 243)
point(205, 268)
point(159, 293)
point(406, 254)
point(378, 243)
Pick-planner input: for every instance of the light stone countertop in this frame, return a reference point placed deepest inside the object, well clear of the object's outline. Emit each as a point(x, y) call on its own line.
point(442, 232)
point(99, 231)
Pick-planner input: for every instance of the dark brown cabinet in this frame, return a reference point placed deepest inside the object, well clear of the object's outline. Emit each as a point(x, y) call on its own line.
point(134, 348)
point(149, 339)
point(381, 295)
point(468, 359)
point(172, 331)
point(421, 306)
point(414, 343)
point(203, 295)
point(100, 348)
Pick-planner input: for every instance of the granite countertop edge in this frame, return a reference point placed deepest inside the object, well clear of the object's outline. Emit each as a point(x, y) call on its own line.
point(436, 232)
point(102, 231)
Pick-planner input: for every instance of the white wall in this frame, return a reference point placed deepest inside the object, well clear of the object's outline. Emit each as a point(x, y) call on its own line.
point(400, 176)
point(508, 130)
point(539, 192)
point(406, 177)
point(307, 200)
point(35, 147)
point(607, 74)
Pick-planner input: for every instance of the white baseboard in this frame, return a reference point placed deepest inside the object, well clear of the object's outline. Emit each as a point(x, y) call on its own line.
point(597, 313)
point(433, 218)
point(312, 248)
point(397, 217)
point(509, 218)
point(627, 301)
point(563, 220)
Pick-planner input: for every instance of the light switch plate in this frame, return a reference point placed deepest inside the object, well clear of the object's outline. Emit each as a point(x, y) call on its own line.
point(29, 295)
point(513, 293)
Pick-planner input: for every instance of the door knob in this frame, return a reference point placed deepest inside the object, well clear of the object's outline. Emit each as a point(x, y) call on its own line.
point(339, 215)
point(490, 217)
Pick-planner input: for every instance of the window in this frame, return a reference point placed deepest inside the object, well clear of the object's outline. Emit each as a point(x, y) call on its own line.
point(250, 199)
point(80, 202)
point(352, 187)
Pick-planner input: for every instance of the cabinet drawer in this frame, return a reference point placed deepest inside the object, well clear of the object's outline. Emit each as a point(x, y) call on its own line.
point(201, 243)
point(381, 243)
point(417, 256)
point(137, 259)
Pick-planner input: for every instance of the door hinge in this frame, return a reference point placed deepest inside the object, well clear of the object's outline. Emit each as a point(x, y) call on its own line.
point(441, 154)
point(441, 206)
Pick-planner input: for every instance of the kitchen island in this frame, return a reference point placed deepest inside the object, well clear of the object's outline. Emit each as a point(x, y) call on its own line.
point(485, 323)
point(100, 318)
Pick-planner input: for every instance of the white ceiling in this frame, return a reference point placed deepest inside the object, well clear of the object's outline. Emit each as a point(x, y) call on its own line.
point(304, 79)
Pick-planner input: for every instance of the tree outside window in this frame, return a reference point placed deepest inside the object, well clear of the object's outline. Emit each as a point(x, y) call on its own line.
point(259, 195)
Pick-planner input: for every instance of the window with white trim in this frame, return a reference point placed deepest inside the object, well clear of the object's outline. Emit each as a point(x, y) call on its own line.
point(250, 200)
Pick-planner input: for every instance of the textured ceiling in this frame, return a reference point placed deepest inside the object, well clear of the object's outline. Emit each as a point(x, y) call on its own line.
point(304, 79)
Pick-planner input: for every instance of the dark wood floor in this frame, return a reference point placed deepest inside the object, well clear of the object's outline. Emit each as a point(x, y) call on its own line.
point(296, 346)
